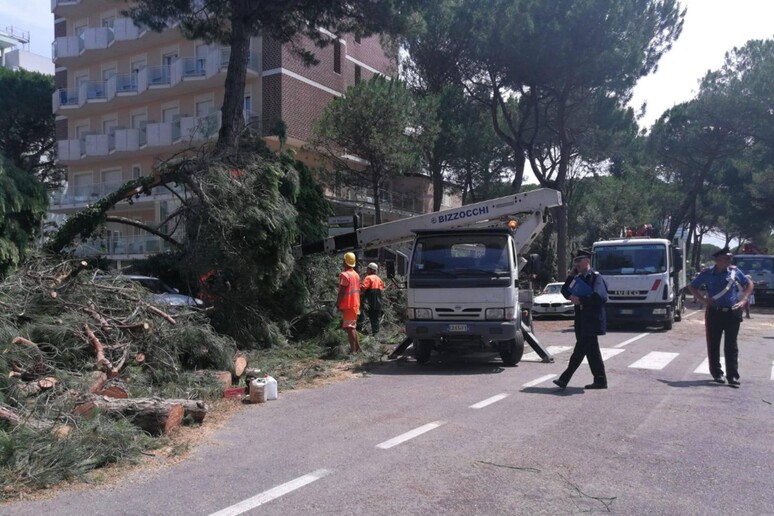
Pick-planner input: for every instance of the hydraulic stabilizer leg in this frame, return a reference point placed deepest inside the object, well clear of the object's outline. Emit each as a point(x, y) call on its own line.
point(533, 341)
point(400, 349)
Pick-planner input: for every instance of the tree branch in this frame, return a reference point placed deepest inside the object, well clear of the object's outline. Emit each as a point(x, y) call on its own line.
point(144, 227)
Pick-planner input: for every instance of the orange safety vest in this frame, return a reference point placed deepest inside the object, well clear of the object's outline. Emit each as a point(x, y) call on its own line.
point(372, 281)
point(351, 280)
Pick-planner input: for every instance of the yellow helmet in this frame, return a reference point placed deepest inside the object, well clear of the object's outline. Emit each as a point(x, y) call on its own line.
point(350, 259)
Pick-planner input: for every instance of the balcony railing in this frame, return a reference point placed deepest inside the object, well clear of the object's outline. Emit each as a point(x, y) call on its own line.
point(389, 200)
point(66, 46)
point(122, 245)
point(57, 3)
point(163, 134)
point(64, 98)
point(253, 60)
point(94, 38)
point(124, 29)
point(193, 128)
point(86, 194)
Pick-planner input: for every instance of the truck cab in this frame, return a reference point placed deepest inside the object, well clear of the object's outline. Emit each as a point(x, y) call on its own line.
point(463, 293)
point(760, 267)
point(645, 279)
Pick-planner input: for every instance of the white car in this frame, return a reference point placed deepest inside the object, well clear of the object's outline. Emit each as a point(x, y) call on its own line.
point(552, 302)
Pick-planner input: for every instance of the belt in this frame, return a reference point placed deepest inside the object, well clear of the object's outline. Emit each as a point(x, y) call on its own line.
point(722, 308)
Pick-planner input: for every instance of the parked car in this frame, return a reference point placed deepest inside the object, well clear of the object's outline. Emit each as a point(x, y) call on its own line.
point(552, 302)
point(162, 294)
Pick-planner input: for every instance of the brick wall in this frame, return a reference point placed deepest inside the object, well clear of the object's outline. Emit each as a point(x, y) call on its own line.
point(302, 105)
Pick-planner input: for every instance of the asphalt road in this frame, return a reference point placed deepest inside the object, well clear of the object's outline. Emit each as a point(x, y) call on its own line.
point(472, 437)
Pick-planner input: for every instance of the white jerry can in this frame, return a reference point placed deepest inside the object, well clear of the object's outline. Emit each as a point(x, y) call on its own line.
point(271, 388)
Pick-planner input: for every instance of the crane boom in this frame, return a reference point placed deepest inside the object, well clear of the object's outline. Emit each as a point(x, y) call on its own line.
point(535, 202)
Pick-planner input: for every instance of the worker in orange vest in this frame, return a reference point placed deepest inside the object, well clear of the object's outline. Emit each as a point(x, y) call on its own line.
point(348, 301)
point(371, 289)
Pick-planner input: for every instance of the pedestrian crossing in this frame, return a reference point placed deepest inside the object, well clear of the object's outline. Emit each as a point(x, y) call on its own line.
point(651, 360)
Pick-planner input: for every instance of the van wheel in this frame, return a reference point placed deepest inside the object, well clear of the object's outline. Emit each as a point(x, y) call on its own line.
point(422, 350)
point(514, 350)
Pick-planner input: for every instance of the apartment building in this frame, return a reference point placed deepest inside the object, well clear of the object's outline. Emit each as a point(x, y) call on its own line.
point(15, 54)
point(127, 97)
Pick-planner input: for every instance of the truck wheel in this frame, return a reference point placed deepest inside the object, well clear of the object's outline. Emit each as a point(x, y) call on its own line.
point(422, 350)
point(512, 354)
point(668, 324)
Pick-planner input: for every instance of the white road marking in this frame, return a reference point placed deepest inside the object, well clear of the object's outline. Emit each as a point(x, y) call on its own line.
point(704, 366)
point(693, 313)
point(489, 401)
point(638, 337)
point(606, 353)
point(654, 360)
point(409, 435)
point(271, 494)
point(772, 370)
point(554, 350)
point(540, 380)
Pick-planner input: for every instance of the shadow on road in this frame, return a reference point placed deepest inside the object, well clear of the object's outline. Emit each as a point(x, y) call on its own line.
point(555, 391)
point(438, 366)
point(691, 383)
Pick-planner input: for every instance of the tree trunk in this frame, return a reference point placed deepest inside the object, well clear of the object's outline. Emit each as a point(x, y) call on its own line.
point(519, 165)
point(236, 74)
point(436, 175)
point(154, 416)
point(375, 192)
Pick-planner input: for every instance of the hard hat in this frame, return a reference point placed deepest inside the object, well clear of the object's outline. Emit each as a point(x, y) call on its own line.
point(373, 266)
point(349, 259)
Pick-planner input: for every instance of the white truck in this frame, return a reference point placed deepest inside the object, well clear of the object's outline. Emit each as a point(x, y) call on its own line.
point(463, 276)
point(645, 279)
point(760, 267)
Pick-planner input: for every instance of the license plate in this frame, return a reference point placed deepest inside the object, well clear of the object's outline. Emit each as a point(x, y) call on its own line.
point(457, 327)
point(627, 311)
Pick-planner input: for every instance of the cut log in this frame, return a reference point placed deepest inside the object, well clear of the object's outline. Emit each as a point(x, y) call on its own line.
point(35, 388)
point(8, 415)
point(141, 326)
point(240, 365)
point(104, 324)
point(139, 358)
point(113, 391)
point(154, 416)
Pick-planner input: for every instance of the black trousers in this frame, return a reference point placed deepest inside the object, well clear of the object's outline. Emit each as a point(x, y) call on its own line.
point(586, 347)
point(717, 323)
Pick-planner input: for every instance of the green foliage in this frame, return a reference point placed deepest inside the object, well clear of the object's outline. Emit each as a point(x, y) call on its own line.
point(27, 129)
point(23, 204)
point(379, 122)
point(32, 459)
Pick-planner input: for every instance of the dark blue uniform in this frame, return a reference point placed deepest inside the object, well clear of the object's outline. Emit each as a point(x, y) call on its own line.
point(723, 289)
point(590, 322)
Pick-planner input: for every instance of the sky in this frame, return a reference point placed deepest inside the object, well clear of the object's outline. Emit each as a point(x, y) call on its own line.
point(712, 27)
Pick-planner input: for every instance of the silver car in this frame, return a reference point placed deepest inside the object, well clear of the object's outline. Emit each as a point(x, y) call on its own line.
point(161, 293)
point(552, 302)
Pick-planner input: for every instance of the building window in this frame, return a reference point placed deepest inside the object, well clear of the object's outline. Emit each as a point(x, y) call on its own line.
point(337, 56)
point(358, 73)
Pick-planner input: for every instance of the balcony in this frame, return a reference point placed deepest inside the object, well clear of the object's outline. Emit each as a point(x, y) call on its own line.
point(66, 46)
point(163, 134)
point(70, 150)
point(129, 140)
point(73, 196)
point(65, 99)
point(389, 200)
point(94, 38)
point(124, 29)
point(253, 60)
point(136, 245)
point(57, 3)
point(194, 128)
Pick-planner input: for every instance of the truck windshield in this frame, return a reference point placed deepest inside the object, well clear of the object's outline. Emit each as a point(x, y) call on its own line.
point(461, 255)
point(630, 259)
point(755, 264)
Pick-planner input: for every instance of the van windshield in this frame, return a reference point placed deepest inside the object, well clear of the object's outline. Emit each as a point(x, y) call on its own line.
point(461, 255)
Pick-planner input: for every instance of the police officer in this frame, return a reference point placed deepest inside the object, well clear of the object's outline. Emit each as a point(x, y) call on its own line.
point(728, 291)
point(589, 298)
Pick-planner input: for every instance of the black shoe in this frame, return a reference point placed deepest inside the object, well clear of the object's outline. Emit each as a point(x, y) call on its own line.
point(560, 384)
point(596, 386)
point(733, 382)
point(719, 379)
